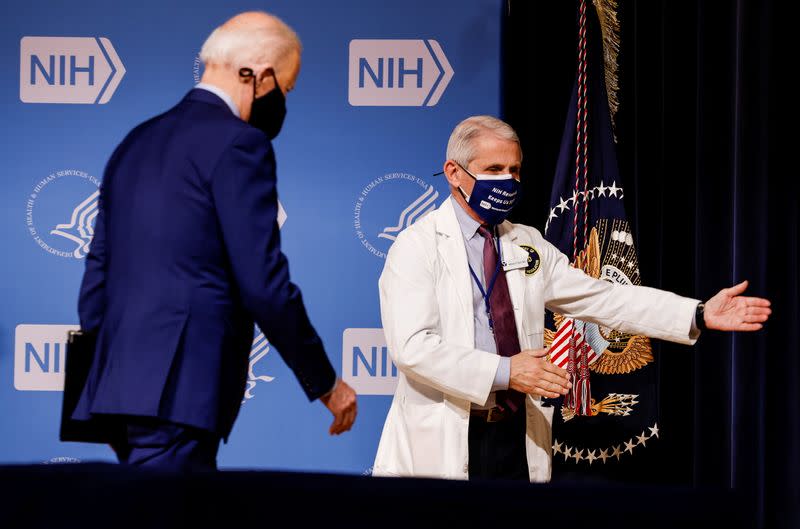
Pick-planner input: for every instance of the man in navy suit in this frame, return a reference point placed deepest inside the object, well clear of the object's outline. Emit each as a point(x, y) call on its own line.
point(186, 257)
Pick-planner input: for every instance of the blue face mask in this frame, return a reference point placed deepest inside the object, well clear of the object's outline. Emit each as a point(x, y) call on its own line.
point(493, 196)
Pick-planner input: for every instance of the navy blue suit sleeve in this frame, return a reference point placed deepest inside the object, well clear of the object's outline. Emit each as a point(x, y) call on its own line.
point(244, 190)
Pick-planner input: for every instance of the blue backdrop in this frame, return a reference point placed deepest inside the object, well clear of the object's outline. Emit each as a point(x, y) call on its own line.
point(381, 87)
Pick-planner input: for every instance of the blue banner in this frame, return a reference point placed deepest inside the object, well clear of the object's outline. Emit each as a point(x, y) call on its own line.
point(381, 87)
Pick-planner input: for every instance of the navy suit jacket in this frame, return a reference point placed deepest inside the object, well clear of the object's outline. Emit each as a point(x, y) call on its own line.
point(185, 257)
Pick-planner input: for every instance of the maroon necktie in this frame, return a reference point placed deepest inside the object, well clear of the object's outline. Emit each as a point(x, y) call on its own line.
point(501, 313)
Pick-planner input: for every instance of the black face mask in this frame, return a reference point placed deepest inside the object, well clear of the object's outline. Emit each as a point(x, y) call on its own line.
point(268, 111)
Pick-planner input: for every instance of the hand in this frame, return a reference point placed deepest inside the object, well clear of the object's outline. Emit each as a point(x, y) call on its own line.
point(533, 374)
point(728, 311)
point(342, 404)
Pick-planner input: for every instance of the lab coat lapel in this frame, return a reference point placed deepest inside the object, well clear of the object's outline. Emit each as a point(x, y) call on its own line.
point(513, 253)
point(450, 244)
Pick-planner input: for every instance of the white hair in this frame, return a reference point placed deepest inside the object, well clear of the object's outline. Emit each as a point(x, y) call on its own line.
point(460, 147)
point(242, 46)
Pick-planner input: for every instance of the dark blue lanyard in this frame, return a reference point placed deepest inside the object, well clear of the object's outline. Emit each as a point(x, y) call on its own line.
point(488, 292)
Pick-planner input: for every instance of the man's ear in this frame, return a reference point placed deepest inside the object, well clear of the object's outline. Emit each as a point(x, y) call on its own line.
point(451, 173)
point(264, 73)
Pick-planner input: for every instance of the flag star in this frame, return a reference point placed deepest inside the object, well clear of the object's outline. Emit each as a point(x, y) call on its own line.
point(567, 453)
point(563, 204)
point(557, 447)
point(552, 215)
point(574, 196)
point(604, 455)
point(591, 457)
point(617, 452)
point(629, 446)
point(642, 439)
point(612, 191)
point(654, 430)
point(601, 190)
point(578, 455)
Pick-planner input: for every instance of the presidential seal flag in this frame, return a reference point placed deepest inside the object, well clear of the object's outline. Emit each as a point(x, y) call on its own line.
point(610, 417)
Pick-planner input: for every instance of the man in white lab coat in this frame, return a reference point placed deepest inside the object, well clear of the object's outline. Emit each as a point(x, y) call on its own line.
point(463, 313)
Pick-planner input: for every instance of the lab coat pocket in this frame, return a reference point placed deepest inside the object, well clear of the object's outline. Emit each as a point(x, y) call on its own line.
point(535, 340)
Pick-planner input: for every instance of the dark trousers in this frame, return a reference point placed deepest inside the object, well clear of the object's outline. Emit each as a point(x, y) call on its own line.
point(156, 444)
point(497, 449)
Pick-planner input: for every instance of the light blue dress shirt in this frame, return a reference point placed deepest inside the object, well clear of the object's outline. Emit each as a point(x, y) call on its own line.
point(484, 338)
point(222, 94)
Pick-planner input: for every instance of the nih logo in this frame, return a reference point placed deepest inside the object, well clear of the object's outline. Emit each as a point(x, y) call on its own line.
point(366, 364)
point(40, 357)
point(68, 70)
point(397, 73)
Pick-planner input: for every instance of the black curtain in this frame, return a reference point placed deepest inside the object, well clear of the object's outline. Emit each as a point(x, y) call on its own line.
point(709, 206)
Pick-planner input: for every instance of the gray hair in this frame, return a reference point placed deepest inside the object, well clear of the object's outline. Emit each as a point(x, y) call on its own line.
point(240, 46)
point(460, 147)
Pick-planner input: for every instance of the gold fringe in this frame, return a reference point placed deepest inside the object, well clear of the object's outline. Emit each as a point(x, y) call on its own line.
point(609, 25)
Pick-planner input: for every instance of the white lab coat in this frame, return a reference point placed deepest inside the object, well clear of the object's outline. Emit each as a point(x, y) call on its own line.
point(427, 313)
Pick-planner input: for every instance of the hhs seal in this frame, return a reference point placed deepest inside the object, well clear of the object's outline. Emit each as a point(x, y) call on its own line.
point(388, 205)
point(60, 213)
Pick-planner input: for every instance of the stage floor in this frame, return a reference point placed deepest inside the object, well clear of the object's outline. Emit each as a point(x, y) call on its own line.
point(109, 496)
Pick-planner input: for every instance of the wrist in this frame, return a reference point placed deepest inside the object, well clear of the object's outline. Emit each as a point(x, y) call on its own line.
point(330, 391)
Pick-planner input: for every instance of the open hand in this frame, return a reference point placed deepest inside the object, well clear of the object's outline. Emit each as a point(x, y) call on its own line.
point(728, 311)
